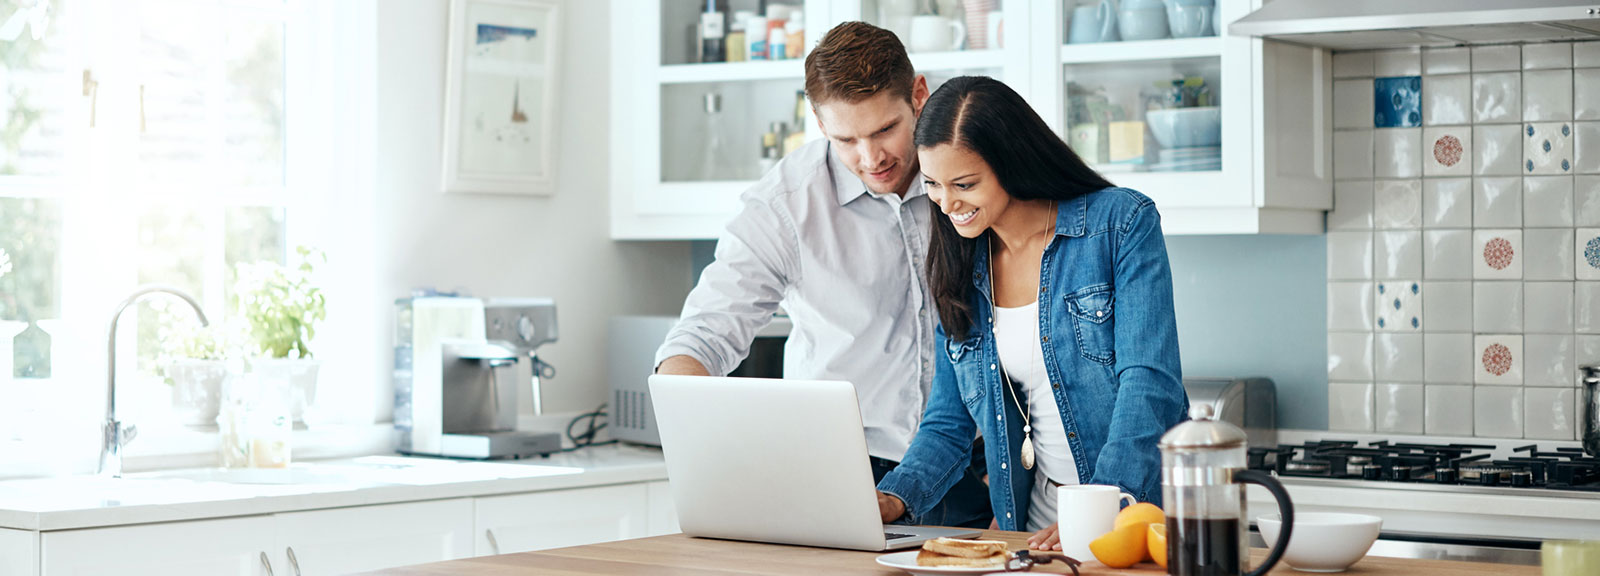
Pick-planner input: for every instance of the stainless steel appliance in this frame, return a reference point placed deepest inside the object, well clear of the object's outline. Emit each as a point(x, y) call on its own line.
point(1590, 426)
point(460, 367)
point(1250, 403)
point(1367, 24)
point(1528, 471)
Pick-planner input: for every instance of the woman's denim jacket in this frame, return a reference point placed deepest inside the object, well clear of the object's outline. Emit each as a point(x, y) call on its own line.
point(1111, 348)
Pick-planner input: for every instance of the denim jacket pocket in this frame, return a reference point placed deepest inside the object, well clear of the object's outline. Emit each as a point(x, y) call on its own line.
point(1091, 309)
point(964, 358)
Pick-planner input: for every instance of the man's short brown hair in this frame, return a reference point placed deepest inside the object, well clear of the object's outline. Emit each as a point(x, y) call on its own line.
point(856, 61)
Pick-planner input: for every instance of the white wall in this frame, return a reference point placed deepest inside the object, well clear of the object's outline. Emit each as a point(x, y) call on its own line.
point(555, 246)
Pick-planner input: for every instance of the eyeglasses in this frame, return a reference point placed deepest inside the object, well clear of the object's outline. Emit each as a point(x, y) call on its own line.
point(1025, 560)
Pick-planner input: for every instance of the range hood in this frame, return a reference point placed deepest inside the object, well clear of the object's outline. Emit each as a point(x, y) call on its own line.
point(1373, 24)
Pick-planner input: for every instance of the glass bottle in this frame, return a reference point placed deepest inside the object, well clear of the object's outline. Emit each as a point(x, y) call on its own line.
point(711, 169)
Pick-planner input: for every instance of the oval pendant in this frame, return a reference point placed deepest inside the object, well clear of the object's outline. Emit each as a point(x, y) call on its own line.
point(1027, 453)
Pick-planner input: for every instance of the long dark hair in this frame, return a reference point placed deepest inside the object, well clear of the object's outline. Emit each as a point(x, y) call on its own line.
point(987, 117)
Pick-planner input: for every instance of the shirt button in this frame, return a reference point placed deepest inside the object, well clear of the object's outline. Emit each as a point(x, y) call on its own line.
point(1072, 434)
point(1054, 385)
point(1047, 338)
point(991, 366)
point(1008, 514)
point(1002, 465)
point(996, 416)
point(1099, 313)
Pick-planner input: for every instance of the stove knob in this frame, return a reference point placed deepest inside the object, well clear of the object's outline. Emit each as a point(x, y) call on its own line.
point(1371, 472)
point(1401, 473)
point(1522, 479)
point(1489, 479)
point(1444, 475)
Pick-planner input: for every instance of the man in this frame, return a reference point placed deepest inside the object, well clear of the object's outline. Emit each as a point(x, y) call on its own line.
point(838, 233)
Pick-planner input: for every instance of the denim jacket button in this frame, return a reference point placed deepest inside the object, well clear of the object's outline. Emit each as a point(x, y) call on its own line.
point(1002, 465)
point(1072, 434)
point(1099, 313)
point(991, 366)
point(1046, 338)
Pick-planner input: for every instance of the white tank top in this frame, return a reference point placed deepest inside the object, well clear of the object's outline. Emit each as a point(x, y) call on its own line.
point(1017, 341)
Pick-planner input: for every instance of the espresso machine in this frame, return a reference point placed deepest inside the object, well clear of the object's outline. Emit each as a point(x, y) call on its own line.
point(461, 367)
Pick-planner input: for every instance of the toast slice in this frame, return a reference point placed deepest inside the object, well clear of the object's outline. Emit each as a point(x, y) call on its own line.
point(930, 558)
point(965, 548)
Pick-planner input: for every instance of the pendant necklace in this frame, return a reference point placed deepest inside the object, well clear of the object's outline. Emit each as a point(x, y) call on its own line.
point(1027, 424)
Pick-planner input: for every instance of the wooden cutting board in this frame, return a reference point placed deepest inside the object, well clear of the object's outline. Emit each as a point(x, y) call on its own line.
point(678, 554)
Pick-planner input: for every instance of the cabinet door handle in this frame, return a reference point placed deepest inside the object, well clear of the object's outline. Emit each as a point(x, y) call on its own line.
point(266, 564)
point(294, 563)
point(493, 545)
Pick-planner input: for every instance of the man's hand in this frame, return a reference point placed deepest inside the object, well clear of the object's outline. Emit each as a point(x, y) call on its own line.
point(681, 365)
point(890, 507)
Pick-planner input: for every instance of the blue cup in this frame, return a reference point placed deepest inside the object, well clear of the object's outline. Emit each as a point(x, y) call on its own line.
point(1093, 23)
point(1143, 23)
point(1190, 18)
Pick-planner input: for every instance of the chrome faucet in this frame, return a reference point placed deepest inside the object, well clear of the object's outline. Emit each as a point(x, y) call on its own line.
point(116, 435)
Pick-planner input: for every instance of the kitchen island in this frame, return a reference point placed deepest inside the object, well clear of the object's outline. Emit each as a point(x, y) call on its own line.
point(679, 554)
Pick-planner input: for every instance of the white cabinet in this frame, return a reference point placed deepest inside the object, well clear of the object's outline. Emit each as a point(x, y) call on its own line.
point(232, 546)
point(19, 552)
point(561, 518)
point(663, 514)
point(346, 540)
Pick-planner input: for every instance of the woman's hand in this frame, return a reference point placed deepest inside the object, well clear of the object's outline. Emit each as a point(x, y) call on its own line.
point(1046, 539)
point(890, 507)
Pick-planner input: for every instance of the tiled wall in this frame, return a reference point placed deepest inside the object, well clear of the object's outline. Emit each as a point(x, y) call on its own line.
point(1464, 244)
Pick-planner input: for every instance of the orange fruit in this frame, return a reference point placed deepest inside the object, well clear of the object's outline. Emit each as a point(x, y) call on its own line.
point(1157, 538)
point(1122, 547)
point(1140, 514)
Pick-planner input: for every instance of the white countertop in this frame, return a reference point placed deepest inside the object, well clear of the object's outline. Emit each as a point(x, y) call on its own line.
point(72, 502)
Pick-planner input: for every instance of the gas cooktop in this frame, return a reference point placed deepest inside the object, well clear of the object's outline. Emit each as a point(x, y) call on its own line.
point(1566, 469)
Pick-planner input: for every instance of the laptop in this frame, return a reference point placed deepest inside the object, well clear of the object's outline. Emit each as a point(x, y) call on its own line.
point(779, 461)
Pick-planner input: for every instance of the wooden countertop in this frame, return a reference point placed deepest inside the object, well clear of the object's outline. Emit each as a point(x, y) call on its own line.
point(679, 554)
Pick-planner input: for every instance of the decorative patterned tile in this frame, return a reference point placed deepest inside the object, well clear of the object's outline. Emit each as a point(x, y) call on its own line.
point(1399, 309)
point(1497, 307)
point(1547, 148)
point(1447, 410)
point(1547, 308)
point(1497, 97)
point(1350, 407)
point(1586, 307)
point(1586, 148)
point(1586, 55)
point(1352, 155)
point(1447, 151)
point(1496, 58)
point(1585, 94)
point(1497, 202)
point(1586, 201)
point(1497, 254)
point(1402, 62)
point(1547, 201)
point(1547, 95)
point(1397, 254)
point(1497, 412)
point(1498, 359)
point(1550, 359)
point(1349, 356)
point(1548, 254)
point(1447, 202)
point(1352, 205)
point(1350, 306)
point(1352, 65)
point(1546, 56)
point(1352, 105)
point(1398, 204)
point(1550, 414)
point(1447, 358)
point(1399, 408)
point(1447, 255)
point(1397, 153)
point(1447, 100)
point(1398, 357)
point(1397, 102)
point(1448, 308)
point(1446, 61)
point(1349, 255)
point(1586, 248)
point(1496, 150)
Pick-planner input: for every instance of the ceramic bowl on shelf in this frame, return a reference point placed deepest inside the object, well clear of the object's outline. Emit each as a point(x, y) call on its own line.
point(1324, 541)
point(1186, 127)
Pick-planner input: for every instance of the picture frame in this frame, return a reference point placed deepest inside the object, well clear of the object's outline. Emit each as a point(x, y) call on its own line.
point(502, 77)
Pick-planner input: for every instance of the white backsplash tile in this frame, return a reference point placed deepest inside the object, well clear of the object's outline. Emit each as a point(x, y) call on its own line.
point(1497, 254)
point(1447, 202)
point(1550, 414)
point(1497, 307)
point(1399, 408)
point(1398, 307)
point(1398, 255)
point(1350, 255)
point(1550, 360)
point(1445, 60)
point(1547, 308)
point(1397, 153)
point(1447, 358)
point(1585, 93)
point(1447, 255)
point(1586, 55)
point(1446, 308)
point(1447, 151)
point(1398, 357)
point(1352, 205)
point(1352, 103)
point(1547, 95)
point(1496, 150)
point(1588, 352)
point(1350, 407)
point(1350, 356)
point(1586, 148)
point(1548, 254)
point(1497, 412)
point(1497, 202)
point(1586, 253)
point(1496, 58)
point(1586, 307)
point(1352, 155)
point(1353, 65)
point(1448, 410)
point(1397, 204)
point(1547, 148)
point(1497, 97)
point(1402, 62)
point(1446, 100)
point(1547, 201)
point(1547, 56)
point(1350, 306)
point(1585, 200)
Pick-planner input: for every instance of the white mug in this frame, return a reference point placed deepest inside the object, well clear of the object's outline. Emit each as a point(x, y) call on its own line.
point(1085, 512)
point(931, 33)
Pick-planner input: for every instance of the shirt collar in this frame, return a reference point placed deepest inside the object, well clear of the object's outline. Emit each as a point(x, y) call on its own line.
point(847, 187)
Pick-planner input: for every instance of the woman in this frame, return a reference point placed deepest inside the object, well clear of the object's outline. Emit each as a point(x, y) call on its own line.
point(1057, 340)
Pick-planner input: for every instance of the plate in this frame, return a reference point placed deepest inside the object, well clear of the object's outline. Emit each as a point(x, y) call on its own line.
point(908, 561)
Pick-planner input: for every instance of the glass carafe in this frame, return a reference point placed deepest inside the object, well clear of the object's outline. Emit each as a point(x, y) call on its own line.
point(1202, 485)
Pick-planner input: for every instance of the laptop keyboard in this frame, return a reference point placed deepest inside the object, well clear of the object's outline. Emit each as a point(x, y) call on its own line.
point(894, 536)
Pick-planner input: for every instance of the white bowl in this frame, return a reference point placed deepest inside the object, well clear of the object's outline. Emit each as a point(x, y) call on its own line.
point(1186, 127)
point(1323, 541)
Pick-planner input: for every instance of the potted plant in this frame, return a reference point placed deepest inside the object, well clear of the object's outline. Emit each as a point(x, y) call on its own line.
point(281, 307)
point(194, 361)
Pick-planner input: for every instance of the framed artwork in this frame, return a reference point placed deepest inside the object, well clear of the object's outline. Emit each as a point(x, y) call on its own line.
point(501, 82)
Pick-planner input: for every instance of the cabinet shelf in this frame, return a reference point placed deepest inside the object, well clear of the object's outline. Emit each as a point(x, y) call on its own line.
point(1168, 49)
point(731, 72)
point(957, 60)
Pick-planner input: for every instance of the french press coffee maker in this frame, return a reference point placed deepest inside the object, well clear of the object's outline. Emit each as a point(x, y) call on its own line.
point(1202, 484)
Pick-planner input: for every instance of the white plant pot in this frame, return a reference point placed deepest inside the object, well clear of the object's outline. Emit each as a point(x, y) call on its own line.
point(197, 390)
point(297, 379)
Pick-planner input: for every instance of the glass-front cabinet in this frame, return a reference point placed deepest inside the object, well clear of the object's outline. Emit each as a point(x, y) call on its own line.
point(1227, 134)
